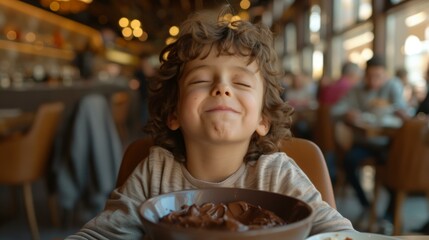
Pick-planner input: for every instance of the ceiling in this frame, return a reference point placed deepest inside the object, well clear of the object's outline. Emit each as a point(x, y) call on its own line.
point(156, 16)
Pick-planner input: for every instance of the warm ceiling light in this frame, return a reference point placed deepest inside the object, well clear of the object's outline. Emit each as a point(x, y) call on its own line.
point(11, 35)
point(137, 32)
point(244, 4)
point(127, 32)
point(54, 6)
point(66, 6)
point(123, 22)
point(30, 37)
point(135, 23)
point(174, 30)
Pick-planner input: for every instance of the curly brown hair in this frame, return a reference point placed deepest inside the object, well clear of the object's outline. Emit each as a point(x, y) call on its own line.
point(197, 38)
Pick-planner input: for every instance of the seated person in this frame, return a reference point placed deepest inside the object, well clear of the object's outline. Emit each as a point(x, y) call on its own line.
point(377, 94)
point(301, 95)
point(409, 91)
point(351, 75)
point(302, 91)
point(217, 119)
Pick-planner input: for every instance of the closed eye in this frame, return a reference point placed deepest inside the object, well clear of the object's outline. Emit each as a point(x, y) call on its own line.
point(243, 84)
point(198, 82)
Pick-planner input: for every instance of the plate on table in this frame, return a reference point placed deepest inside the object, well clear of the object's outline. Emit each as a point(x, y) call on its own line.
point(350, 236)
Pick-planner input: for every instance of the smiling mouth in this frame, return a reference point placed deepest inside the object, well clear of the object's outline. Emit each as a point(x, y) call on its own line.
point(222, 109)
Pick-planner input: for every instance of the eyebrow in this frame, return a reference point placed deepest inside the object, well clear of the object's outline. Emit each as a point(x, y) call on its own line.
point(244, 69)
point(187, 72)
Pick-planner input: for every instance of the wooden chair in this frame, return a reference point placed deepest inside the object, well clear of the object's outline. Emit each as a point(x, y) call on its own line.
point(310, 159)
point(406, 169)
point(24, 157)
point(306, 154)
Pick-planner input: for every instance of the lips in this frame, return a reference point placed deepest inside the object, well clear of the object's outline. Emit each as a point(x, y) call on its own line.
point(221, 108)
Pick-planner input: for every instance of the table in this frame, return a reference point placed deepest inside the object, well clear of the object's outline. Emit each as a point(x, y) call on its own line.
point(371, 125)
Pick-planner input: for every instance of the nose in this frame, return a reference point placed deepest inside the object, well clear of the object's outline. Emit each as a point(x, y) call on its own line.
point(221, 89)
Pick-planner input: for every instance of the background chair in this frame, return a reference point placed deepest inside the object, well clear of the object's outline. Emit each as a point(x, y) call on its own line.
point(406, 169)
point(24, 157)
point(305, 153)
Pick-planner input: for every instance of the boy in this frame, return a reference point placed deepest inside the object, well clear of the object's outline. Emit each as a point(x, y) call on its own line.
point(217, 119)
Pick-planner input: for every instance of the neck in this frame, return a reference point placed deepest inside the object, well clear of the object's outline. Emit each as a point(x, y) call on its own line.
point(214, 162)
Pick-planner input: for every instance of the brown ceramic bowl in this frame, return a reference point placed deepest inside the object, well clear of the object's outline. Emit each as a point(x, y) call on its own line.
point(295, 212)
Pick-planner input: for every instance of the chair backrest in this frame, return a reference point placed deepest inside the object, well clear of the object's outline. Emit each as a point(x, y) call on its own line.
point(305, 153)
point(25, 157)
point(407, 167)
point(310, 159)
point(134, 154)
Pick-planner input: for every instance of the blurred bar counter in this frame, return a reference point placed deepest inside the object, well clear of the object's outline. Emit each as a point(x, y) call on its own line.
point(28, 97)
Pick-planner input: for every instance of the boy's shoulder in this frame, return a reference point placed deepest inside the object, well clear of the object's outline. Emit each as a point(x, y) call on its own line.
point(276, 165)
point(159, 156)
point(274, 160)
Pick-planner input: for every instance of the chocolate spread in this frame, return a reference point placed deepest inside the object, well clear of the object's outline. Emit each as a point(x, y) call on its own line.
point(235, 216)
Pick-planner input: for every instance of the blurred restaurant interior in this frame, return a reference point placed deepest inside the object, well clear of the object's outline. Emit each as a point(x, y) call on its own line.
point(72, 88)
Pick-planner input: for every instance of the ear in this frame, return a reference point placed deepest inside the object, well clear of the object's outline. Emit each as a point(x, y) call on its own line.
point(173, 122)
point(263, 127)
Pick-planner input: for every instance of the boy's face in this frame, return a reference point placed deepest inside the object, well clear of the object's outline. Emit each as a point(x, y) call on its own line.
point(220, 100)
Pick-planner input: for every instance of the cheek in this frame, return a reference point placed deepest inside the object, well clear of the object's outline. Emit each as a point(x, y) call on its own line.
point(254, 104)
point(189, 103)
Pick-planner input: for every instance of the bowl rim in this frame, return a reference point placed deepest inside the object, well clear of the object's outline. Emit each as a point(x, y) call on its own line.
point(150, 224)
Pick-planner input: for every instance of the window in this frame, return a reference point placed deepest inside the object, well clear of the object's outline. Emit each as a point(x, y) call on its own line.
point(291, 58)
point(349, 12)
point(354, 45)
point(315, 24)
point(408, 41)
